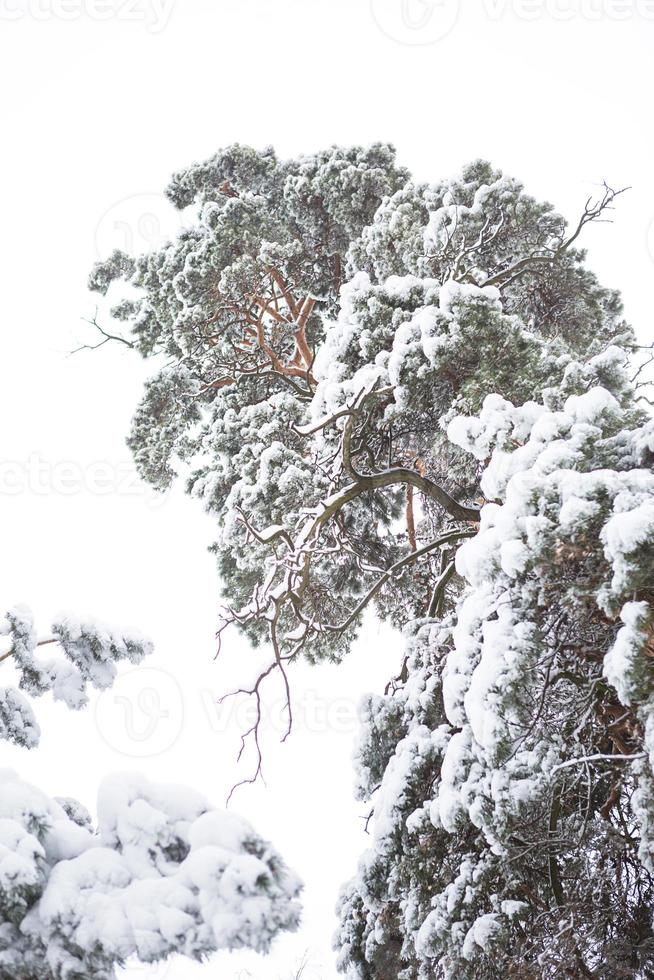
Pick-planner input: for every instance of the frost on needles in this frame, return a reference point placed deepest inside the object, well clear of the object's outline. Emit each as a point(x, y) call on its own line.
point(86, 654)
point(162, 873)
point(415, 396)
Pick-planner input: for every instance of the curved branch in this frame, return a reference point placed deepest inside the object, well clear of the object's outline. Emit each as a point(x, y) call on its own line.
point(401, 474)
point(439, 589)
point(448, 538)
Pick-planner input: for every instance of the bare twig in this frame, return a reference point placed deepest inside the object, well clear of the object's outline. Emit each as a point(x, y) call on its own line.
point(106, 337)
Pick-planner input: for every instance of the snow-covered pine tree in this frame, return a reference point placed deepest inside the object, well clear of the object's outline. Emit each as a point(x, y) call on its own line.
point(451, 435)
point(163, 873)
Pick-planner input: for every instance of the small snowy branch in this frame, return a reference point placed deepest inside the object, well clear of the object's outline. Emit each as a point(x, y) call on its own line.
point(598, 758)
point(188, 881)
point(90, 653)
point(40, 643)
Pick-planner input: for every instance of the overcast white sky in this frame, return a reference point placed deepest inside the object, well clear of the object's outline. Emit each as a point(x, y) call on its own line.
point(102, 100)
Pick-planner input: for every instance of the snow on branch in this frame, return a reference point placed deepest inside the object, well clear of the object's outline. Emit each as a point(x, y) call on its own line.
point(90, 651)
point(163, 873)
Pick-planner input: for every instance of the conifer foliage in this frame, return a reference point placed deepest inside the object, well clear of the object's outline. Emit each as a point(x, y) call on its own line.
point(162, 873)
point(417, 396)
point(90, 651)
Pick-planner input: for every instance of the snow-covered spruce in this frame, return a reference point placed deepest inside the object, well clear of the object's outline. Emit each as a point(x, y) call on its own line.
point(163, 873)
point(90, 651)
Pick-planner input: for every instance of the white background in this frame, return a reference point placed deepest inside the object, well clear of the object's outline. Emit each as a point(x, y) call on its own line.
point(101, 101)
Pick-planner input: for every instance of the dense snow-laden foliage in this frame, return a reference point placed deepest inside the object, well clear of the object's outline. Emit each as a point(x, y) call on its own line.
point(514, 807)
point(163, 873)
point(332, 332)
point(447, 292)
point(90, 654)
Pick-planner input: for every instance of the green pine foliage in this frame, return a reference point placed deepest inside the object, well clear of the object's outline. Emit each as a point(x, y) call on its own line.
point(417, 396)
